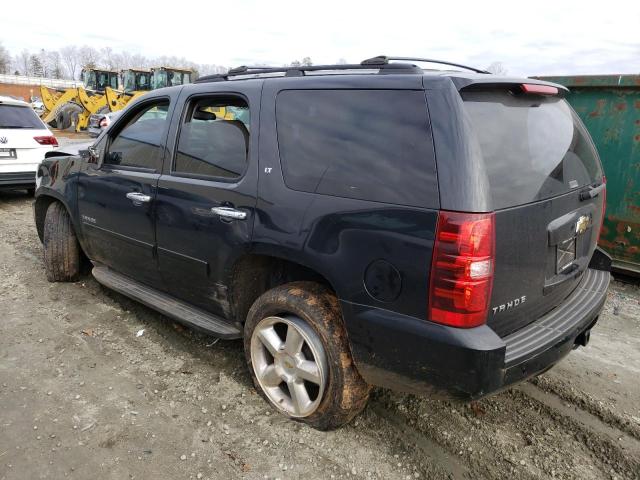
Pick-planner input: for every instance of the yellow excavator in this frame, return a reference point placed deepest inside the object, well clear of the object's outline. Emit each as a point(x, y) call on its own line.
point(136, 82)
point(73, 107)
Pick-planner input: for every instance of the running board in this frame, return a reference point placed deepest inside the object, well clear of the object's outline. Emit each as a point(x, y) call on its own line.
point(165, 304)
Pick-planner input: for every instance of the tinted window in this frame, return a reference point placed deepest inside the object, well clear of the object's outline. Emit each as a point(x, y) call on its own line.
point(14, 116)
point(533, 147)
point(214, 139)
point(139, 143)
point(366, 144)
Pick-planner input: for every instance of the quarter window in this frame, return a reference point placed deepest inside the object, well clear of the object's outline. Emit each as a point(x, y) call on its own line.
point(139, 143)
point(365, 144)
point(214, 139)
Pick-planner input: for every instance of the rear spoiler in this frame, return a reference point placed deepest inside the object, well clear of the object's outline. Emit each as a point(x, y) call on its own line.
point(489, 82)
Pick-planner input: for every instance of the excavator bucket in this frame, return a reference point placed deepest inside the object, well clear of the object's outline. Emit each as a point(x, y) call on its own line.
point(55, 103)
point(49, 97)
point(117, 100)
point(91, 103)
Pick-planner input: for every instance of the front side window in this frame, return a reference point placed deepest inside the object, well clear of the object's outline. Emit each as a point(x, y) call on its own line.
point(365, 144)
point(214, 139)
point(139, 143)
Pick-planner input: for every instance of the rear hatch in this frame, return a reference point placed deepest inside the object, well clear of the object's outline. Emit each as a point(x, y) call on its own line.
point(23, 138)
point(546, 188)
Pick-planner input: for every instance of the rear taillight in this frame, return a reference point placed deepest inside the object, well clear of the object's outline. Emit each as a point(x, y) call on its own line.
point(47, 140)
point(462, 269)
point(604, 206)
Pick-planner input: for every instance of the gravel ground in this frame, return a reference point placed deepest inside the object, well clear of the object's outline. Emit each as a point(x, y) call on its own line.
point(83, 396)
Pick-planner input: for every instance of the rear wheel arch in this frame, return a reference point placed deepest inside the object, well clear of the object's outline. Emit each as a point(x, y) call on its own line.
point(254, 274)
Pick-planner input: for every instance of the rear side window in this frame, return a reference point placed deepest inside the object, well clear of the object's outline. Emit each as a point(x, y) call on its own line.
point(365, 144)
point(533, 147)
point(214, 139)
point(16, 116)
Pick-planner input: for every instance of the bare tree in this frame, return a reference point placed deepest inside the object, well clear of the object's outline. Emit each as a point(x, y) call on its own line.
point(54, 65)
point(108, 58)
point(497, 68)
point(44, 61)
point(70, 59)
point(306, 61)
point(65, 63)
point(5, 60)
point(23, 62)
point(125, 61)
point(35, 66)
point(89, 57)
point(140, 61)
point(342, 61)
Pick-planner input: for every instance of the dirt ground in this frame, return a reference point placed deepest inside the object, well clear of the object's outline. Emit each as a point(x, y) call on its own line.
point(83, 396)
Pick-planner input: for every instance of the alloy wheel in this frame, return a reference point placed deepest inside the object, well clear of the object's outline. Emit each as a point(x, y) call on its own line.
point(289, 363)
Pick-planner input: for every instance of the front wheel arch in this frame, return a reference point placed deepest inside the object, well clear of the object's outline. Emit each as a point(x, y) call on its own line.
point(40, 208)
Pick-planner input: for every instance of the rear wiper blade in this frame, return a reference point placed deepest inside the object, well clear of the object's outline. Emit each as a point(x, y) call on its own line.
point(591, 192)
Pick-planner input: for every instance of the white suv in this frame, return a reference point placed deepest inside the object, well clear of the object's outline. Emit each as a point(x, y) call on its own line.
point(24, 139)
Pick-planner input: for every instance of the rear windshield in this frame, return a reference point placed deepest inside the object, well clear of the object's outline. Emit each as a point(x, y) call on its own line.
point(533, 147)
point(15, 116)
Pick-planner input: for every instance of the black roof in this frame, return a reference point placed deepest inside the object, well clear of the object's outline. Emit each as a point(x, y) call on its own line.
point(381, 64)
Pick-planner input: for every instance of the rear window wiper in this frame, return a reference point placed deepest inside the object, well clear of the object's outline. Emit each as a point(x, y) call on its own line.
point(591, 192)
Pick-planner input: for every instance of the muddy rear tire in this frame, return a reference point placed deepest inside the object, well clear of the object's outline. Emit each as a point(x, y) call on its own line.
point(62, 259)
point(314, 312)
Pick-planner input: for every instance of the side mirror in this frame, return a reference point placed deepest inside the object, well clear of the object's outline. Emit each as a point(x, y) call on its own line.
point(114, 158)
point(90, 155)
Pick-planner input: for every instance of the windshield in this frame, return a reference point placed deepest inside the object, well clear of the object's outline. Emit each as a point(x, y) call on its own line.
point(159, 79)
point(89, 79)
point(129, 81)
point(136, 81)
point(533, 147)
point(15, 116)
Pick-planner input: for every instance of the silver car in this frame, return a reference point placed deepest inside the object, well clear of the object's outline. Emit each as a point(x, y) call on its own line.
point(98, 122)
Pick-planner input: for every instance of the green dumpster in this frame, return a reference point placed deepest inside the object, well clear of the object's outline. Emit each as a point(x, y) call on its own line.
point(609, 106)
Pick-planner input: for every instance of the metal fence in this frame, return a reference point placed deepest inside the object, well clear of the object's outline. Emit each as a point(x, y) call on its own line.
point(47, 82)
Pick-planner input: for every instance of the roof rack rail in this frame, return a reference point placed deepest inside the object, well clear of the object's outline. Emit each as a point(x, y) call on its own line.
point(299, 71)
point(384, 60)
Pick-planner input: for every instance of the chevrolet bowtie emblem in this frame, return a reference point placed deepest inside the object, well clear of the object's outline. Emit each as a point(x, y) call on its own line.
point(582, 224)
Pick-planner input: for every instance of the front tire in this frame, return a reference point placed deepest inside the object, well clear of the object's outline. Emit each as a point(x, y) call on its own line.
point(61, 248)
point(299, 357)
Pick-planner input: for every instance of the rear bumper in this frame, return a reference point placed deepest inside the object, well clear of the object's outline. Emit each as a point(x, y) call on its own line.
point(17, 179)
point(403, 353)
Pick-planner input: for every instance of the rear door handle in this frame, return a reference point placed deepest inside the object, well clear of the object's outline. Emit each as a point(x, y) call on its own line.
point(138, 198)
point(229, 212)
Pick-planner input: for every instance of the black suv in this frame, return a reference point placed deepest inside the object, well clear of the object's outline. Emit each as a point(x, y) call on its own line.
point(369, 224)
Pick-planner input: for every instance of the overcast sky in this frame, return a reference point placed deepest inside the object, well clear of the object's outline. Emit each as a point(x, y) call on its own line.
point(529, 37)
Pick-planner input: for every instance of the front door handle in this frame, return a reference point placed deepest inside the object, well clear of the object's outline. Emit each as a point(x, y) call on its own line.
point(229, 212)
point(138, 198)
